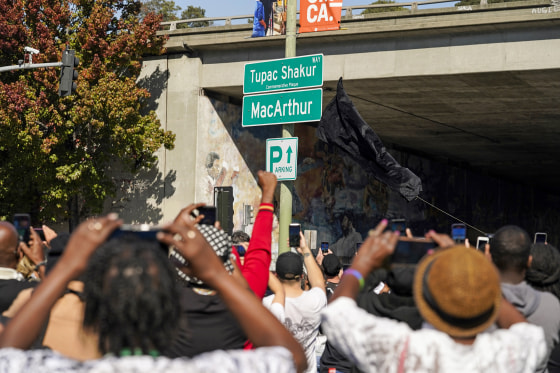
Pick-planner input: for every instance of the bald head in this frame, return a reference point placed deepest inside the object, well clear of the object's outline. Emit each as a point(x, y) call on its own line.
point(8, 245)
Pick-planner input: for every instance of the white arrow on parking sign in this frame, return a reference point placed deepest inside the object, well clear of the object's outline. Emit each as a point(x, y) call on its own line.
point(281, 157)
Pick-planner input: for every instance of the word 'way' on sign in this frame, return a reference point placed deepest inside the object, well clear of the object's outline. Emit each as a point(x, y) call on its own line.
point(283, 74)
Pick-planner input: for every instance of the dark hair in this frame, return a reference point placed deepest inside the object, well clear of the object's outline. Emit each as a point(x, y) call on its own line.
point(510, 248)
point(131, 296)
point(544, 272)
point(239, 236)
point(210, 158)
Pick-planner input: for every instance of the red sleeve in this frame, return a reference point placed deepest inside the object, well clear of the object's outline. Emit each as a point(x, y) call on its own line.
point(257, 259)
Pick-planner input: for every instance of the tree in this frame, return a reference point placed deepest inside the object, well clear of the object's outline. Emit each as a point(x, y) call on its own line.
point(383, 9)
point(194, 12)
point(57, 153)
point(166, 8)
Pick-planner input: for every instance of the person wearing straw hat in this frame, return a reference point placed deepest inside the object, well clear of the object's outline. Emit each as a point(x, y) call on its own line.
point(457, 291)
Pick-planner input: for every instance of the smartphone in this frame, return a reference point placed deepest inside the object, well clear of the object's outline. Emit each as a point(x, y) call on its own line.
point(294, 237)
point(540, 237)
point(240, 250)
point(324, 247)
point(481, 242)
point(411, 250)
point(209, 213)
point(142, 231)
point(22, 223)
point(398, 225)
point(40, 233)
point(458, 231)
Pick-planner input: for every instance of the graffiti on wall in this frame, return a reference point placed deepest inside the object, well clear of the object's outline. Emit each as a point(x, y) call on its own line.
point(335, 197)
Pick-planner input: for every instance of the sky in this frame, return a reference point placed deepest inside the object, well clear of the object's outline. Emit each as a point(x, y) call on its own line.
point(223, 8)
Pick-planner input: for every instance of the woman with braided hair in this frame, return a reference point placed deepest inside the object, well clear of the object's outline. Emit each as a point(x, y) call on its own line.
point(129, 295)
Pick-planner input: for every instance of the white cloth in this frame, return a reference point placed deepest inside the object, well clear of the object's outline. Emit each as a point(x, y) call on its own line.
point(377, 344)
point(302, 319)
point(266, 359)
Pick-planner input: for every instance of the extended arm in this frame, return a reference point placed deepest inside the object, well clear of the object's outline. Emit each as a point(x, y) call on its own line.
point(257, 259)
point(261, 327)
point(371, 255)
point(24, 328)
point(314, 273)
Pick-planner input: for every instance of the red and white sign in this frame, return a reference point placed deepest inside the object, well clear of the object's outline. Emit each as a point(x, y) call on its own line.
point(319, 15)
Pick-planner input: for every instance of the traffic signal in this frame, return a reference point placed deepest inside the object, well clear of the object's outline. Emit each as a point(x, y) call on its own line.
point(68, 74)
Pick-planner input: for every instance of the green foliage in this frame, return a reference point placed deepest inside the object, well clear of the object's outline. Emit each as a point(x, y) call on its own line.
point(194, 12)
point(54, 150)
point(383, 9)
point(165, 8)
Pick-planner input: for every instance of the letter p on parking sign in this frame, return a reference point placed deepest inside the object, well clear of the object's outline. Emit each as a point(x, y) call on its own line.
point(319, 15)
point(281, 157)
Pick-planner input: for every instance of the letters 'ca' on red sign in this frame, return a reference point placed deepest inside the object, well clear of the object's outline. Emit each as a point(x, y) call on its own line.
point(319, 15)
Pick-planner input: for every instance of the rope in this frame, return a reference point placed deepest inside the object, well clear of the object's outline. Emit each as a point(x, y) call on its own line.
point(454, 217)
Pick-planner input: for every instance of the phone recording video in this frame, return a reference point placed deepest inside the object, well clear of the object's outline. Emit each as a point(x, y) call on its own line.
point(398, 225)
point(481, 242)
point(241, 251)
point(209, 213)
point(41, 233)
point(458, 231)
point(411, 250)
point(22, 223)
point(293, 232)
point(141, 231)
point(540, 237)
point(324, 247)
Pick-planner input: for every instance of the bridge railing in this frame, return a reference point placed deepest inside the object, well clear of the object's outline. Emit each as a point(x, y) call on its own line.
point(348, 13)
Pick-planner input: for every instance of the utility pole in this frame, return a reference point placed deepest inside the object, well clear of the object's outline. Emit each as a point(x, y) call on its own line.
point(287, 131)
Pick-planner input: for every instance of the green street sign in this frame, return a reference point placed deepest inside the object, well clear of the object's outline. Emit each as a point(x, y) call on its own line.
point(281, 157)
point(282, 107)
point(283, 74)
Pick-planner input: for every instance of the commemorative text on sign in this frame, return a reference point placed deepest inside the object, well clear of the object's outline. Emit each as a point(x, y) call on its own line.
point(283, 74)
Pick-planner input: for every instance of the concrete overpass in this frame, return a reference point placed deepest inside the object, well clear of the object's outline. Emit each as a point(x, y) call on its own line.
point(477, 85)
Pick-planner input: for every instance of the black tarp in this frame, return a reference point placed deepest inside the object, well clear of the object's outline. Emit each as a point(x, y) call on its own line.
point(341, 125)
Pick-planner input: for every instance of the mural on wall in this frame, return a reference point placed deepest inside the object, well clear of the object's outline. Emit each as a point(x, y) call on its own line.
point(335, 197)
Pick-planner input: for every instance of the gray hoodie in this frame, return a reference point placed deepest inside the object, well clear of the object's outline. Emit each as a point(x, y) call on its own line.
point(539, 308)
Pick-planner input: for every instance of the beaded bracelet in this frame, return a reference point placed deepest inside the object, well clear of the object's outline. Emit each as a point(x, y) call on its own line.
point(357, 275)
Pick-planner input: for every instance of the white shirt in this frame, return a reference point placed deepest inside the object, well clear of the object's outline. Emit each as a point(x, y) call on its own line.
point(265, 359)
point(377, 344)
point(302, 317)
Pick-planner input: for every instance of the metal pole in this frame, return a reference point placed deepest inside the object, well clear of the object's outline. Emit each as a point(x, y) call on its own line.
point(287, 131)
point(29, 66)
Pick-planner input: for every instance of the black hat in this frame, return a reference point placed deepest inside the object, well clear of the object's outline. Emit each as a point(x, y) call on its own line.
point(331, 265)
point(289, 266)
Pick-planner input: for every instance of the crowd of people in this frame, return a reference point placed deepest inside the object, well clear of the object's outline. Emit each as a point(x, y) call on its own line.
point(191, 298)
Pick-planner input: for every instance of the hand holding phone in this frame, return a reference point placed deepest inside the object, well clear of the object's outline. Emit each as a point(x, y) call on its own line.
point(209, 213)
point(540, 237)
point(294, 237)
point(458, 231)
point(22, 223)
point(481, 242)
point(411, 250)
